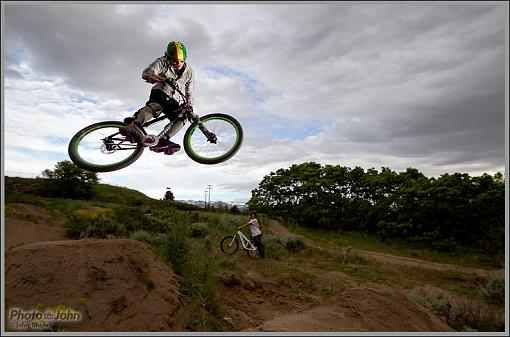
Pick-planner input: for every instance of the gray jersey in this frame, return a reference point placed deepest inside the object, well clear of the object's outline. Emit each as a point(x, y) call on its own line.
point(185, 82)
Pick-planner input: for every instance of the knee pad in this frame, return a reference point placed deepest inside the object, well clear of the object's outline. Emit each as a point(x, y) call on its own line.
point(155, 107)
point(148, 111)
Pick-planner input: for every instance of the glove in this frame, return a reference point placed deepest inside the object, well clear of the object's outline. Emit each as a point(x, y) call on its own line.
point(186, 107)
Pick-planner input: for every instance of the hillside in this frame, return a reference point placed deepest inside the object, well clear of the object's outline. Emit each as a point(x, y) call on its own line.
point(103, 193)
point(126, 281)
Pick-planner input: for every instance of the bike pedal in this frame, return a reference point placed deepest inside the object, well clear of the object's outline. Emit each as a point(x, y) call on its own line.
point(150, 140)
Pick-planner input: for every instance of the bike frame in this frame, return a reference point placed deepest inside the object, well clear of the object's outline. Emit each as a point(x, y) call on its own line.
point(247, 244)
point(187, 113)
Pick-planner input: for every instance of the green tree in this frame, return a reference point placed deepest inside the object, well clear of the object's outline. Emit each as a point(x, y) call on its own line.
point(439, 213)
point(69, 181)
point(169, 195)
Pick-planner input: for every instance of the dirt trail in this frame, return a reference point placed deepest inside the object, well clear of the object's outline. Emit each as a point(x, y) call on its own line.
point(278, 229)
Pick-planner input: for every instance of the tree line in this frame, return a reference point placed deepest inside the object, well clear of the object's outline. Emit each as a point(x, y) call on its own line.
point(442, 213)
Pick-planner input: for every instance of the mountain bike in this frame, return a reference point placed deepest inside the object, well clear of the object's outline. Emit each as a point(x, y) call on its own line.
point(230, 244)
point(211, 139)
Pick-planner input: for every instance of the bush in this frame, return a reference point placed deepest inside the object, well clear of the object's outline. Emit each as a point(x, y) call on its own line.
point(176, 252)
point(274, 245)
point(94, 222)
point(467, 316)
point(214, 221)
point(78, 223)
point(199, 230)
point(141, 235)
point(69, 181)
point(295, 244)
point(104, 226)
point(496, 290)
point(176, 249)
point(153, 224)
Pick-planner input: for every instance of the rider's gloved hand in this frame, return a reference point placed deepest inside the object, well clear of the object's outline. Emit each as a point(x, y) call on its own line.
point(186, 107)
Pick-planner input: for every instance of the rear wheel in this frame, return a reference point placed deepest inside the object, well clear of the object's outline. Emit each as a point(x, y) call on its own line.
point(229, 245)
point(227, 136)
point(101, 148)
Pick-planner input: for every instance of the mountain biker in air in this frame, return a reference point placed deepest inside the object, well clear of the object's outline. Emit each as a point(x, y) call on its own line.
point(172, 65)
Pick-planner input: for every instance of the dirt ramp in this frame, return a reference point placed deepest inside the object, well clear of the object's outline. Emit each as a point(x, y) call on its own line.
point(115, 285)
point(360, 309)
point(28, 223)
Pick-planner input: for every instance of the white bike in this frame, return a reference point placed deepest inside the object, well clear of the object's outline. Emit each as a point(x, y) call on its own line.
point(230, 244)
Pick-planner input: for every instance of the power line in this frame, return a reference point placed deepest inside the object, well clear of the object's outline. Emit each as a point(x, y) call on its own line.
point(209, 187)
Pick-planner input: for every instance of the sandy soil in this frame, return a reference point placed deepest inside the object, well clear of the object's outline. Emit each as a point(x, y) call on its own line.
point(116, 285)
point(359, 309)
point(28, 223)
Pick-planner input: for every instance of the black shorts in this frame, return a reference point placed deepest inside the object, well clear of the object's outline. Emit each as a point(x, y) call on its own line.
point(170, 106)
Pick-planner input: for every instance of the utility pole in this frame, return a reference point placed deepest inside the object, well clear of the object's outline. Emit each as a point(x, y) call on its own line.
point(205, 199)
point(209, 187)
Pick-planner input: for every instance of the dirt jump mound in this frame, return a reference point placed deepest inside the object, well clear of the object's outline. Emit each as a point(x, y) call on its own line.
point(360, 309)
point(89, 285)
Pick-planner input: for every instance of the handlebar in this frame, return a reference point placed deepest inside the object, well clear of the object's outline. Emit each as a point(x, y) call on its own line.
point(185, 105)
point(192, 117)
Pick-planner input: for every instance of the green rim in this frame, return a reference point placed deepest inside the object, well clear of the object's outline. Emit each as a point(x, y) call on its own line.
point(80, 137)
point(218, 157)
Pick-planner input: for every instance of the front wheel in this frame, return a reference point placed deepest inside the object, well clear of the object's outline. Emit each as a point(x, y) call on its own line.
point(224, 139)
point(229, 245)
point(101, 148)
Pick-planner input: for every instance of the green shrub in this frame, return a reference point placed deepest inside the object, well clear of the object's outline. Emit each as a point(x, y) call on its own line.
point(214, 221)
point(176, 252)
point(159, 239)
point(467, 316)
point(295, 244)
point(79, 222)
point(176, 249)
point(131, 217)
point(275, 246)
point(141, 235)
point(153, 224)
point(496, 290)
point(93, 222)
point(104, 226)
point(199, 230)
point(229, 262)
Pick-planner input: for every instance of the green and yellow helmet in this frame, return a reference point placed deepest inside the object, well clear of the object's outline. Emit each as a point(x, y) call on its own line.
point(176, 51)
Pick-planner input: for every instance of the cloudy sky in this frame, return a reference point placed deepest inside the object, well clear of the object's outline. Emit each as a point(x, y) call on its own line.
point(354, 84)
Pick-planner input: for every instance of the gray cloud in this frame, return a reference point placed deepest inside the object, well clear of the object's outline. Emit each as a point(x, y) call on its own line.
point(423, 83)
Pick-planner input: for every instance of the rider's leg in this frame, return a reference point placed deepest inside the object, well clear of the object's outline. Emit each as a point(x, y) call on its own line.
point(133, 128)
point(257, 240)
point(146, 113)
point(171, 129)
point(173, 111)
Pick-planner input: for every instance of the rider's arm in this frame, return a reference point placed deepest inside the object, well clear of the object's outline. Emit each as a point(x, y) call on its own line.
point(150, 74)
point(190, 87)
point(246, 224)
